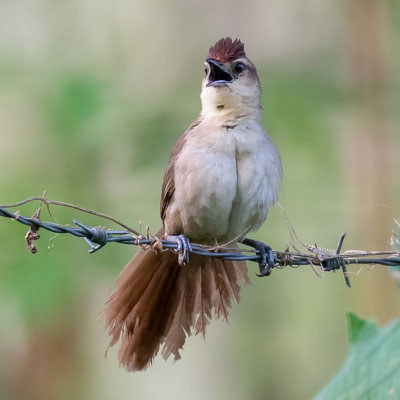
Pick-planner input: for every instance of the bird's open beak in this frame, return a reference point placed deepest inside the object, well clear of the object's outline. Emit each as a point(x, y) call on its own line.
point(219, 75)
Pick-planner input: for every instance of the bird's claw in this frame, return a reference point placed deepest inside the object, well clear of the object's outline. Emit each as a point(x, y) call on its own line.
point(183, 248)
point(267, 256)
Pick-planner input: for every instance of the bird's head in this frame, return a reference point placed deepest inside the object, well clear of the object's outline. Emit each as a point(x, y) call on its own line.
point(230, 85)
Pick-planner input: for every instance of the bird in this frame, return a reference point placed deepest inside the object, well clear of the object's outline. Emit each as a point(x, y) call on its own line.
point(223, 176)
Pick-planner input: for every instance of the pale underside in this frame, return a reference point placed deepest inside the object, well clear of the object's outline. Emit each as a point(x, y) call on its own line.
point(225, 179)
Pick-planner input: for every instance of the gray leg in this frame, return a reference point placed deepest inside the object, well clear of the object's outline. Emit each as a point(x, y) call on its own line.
point(266, 256)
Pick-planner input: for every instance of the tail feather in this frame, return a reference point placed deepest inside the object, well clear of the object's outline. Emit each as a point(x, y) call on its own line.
point(180, 326)
point(131, 284)
point(140, 318)
point(141, 342)
point(157, 302)
point(236, 272)
point(223, 289)
point(201, 306)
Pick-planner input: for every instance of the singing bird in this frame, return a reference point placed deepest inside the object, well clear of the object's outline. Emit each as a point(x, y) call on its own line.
point(222, 177)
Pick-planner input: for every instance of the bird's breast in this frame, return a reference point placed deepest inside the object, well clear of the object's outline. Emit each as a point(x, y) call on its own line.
point(225, 181)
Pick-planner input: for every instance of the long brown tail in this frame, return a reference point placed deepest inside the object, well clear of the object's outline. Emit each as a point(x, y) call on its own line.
point(157, 302)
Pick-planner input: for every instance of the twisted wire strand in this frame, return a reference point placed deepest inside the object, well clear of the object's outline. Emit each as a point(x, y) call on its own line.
point(98, 237)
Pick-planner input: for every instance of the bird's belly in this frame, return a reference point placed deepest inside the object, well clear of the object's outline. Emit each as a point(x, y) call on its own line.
point(224, 187)
point(221, 198)
point(253, 197)
point(204, 194)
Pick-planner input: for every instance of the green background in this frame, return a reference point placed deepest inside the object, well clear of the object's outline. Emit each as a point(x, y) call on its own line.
point(93, 95)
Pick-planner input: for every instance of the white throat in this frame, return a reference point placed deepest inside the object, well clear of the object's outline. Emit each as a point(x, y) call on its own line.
point(225, 107)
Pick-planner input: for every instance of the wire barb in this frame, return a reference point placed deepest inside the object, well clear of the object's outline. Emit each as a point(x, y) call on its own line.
point(98, 237)
point(344, 269)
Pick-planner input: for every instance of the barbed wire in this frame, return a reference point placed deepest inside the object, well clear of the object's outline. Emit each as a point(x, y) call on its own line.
point(97, 237)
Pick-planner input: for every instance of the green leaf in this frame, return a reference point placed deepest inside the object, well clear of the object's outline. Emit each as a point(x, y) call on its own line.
point(359, 329)
point(372, 369)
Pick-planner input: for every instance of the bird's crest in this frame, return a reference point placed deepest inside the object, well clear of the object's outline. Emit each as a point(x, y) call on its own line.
point(226, 50)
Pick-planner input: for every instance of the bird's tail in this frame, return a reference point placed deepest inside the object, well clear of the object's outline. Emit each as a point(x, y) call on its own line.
point(157, 302)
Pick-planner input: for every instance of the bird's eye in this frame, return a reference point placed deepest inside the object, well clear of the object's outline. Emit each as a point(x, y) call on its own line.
point(205, 69)
point(239, 68)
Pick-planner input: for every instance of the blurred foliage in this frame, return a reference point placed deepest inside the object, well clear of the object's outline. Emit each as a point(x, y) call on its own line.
point(92, 99)
point(72, 103)
point(372, 369)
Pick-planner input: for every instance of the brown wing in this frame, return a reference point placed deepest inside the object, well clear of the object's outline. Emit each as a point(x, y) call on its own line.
point(168, 186)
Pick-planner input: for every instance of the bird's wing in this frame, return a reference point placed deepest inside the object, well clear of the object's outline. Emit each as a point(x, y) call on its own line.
point(168, 186)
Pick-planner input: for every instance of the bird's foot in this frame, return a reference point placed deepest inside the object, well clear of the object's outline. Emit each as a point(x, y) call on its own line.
point(266, 255)
point(184, 248)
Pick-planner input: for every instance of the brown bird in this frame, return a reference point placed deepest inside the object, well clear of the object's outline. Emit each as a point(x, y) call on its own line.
point(222, 177)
